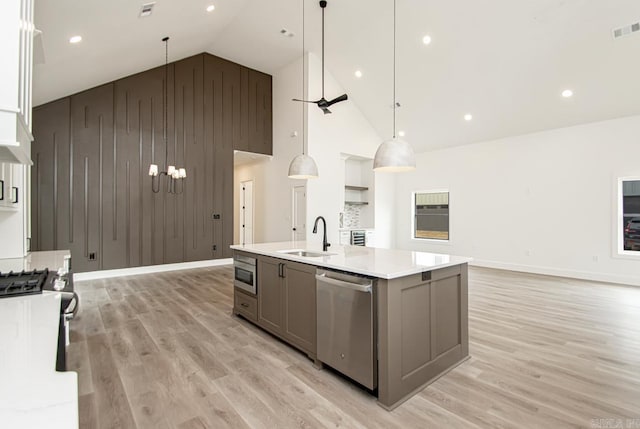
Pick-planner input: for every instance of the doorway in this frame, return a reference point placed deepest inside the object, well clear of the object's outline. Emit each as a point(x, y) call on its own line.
point(246, 212)
point(299, 218)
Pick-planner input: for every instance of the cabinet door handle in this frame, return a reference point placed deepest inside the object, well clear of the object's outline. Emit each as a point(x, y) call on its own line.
point(279, 270)
point(245, 305)
point(1, 190)
point(284, 271)
point(15, 201)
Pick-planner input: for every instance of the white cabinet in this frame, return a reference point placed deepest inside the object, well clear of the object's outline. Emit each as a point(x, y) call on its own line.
point(14, 216)
point(10, 186)
point(16, 51)
point(370, 238)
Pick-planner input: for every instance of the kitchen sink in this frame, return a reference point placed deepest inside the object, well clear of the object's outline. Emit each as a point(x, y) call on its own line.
point(306, 253)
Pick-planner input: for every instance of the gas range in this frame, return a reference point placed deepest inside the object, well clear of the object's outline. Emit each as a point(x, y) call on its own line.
point(22, 283)
point(27, 283)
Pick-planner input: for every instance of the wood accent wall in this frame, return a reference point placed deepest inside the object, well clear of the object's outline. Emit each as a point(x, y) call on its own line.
point(91, 192)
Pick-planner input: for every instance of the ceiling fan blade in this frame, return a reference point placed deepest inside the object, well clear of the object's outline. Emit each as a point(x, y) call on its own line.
point(305, 101)
point(343, 97)
point(325, 110)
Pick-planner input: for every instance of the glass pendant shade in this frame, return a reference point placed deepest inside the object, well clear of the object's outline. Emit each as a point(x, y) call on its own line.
point(394, 155)
point(303, 167)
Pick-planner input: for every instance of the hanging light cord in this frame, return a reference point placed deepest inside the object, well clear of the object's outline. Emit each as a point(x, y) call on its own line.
point(302, 104)
point(323, 51)
point(394, 69)
point(165, 101)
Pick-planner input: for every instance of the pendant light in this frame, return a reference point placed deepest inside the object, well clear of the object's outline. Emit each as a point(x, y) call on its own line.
point(303, 166)
point(394, 155)
point(175, 175)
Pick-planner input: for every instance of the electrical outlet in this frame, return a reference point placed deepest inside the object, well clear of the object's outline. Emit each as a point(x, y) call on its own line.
point(92, 256)
point(214, 247)
point(216, 216)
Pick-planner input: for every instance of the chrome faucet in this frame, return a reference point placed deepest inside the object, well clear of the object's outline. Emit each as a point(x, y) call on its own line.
point(325, 245)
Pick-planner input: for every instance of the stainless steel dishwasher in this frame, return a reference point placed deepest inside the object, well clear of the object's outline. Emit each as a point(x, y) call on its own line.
point(346, 337)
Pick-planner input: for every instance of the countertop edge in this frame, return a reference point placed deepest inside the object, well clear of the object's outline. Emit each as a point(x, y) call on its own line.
point(318, 262)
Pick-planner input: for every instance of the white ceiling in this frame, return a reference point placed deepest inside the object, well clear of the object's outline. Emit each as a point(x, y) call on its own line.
point(504, 61)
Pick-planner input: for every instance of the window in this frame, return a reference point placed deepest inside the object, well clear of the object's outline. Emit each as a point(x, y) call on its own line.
point(630, 214)
point(431, 215)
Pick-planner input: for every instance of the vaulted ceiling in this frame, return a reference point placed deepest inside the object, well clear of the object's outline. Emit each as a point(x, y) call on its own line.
point(504, 62)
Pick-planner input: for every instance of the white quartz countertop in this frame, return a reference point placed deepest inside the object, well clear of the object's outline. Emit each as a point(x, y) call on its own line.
point(52, 260)
point(368, 261)
point(32, 393)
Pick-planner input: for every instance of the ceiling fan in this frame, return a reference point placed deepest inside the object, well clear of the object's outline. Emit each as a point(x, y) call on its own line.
point(323, 103)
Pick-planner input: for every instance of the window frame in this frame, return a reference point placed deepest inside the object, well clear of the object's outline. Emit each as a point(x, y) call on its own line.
point(619, 220)
point(413, 216)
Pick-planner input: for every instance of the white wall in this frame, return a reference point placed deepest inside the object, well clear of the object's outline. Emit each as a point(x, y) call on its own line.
point(272, 188)
point(344, 131)
point(543, 202)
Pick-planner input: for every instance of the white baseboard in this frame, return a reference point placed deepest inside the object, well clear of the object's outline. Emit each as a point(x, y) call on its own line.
point(105, 274)
point(583, 275)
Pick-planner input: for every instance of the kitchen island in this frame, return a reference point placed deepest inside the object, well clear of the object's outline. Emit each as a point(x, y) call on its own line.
point(419, 308)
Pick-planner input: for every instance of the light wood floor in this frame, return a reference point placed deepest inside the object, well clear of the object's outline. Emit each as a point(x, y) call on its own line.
point(163, 351)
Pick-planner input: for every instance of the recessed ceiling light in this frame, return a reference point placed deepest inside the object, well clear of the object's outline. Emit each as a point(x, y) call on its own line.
point(210, 8)
point(358, 74)
point(401, 133)
point(75, 39)
point(426, 39)
point(567, 93)
point(468, 117)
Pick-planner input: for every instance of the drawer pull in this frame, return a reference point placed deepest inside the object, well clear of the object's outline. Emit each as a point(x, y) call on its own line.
point(245, 305)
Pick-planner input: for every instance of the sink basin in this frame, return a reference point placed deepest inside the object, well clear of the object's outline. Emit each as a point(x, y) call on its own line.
point(306, 253)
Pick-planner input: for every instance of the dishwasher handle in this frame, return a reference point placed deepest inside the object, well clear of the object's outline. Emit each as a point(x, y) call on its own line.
point(353, 286)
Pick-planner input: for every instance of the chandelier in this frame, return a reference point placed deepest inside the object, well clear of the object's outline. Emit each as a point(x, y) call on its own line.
point(175, 175)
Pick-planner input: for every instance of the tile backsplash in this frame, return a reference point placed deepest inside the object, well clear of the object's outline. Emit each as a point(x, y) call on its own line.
point(351, 217)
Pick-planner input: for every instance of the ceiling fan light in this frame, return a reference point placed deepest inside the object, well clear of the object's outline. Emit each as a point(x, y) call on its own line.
point(303, 167)
point(394, 156)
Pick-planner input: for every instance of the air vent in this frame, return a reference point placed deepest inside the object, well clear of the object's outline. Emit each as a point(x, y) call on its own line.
point(146, 9)
point(627, 30)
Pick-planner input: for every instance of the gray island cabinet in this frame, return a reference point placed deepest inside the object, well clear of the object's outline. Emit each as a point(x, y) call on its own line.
point(419, 308)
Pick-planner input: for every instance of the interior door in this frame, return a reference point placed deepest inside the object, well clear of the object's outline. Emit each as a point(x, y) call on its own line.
point(246, 212)
point(299, 218)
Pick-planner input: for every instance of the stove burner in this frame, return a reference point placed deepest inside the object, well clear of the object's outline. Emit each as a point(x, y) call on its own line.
point(23, 283)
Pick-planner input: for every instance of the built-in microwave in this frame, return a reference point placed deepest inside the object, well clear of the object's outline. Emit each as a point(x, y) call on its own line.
point(244, 275)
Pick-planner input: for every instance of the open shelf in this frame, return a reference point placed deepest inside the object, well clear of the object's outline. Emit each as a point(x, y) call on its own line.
point(355, 188)
point(357, 203)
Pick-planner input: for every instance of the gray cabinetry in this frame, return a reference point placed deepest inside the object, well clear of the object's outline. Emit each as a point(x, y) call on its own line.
point(299, 287)
point(270, 294)
point(286, 302)
point(246, 305)
point(423, 330)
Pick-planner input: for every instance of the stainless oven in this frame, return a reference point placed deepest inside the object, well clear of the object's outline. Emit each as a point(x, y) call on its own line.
point(244, 269)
